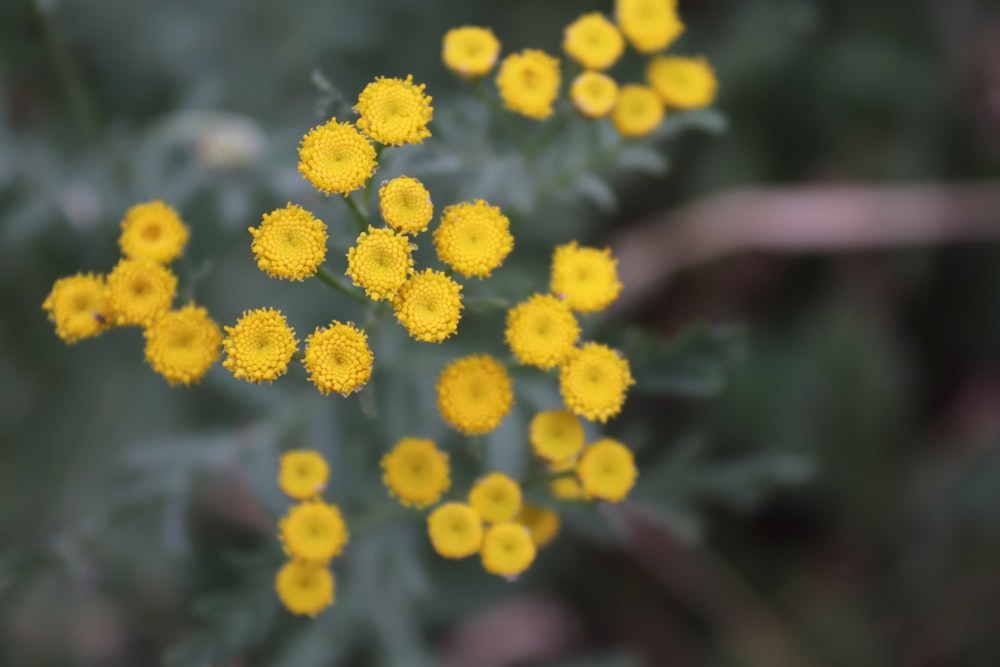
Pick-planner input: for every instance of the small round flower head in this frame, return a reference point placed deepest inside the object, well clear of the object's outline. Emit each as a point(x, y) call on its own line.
point(303, 474)
point(607, 470)
point(594, 94)
point(593, 41)
point(529, 83)
point(416, 472)
point(429, 305)
point(313, 532)
point(542, 524)
point(181, 345)
point(405, 205)
point(259, 346)
point(380, 262)
point(682, 83)
point(338, 359)
point(649, 25)
point(507, 549)
point(593, 381)
point(395, 111)
point(585, 278)
point(79, 306)
point(496, 497)
point(470, 51)
point(336, 158)
point(474, 394)
point(290, 243)
point(541, 331)
point(556, 435)
point(566, 487)
point(304, 588)
point(638, 111)
point(139, 291)
point(473, 238)
point(153, 231)
point(455, 529)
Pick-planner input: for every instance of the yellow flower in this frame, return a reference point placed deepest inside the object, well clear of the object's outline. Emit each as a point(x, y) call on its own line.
point(541, 331)
point(496, 497)
point(336, 158)
point(556, 435)
point(473, 238)
point(529, 83)
point(305, 589)
point(79, 307)
point(594, 94)
point(380, 262)
point(542, 524)
point(474, 394)
point(649, 25)
point(507, 550)
point(416, 472)
point(470, 51)
point(303, 474)
point(607, 470)
point(593, 381)
point(139, 291)
point(181, 345)
point(593, 41)
point(259, 346)
point(586, 278)
point(394, 111)
point(153, 231)
point(638, 111)
point(338, 359)
point(405, 205)
point(455, 529)
point(429, 305)
point(682, 83)
point(290, 243)
point(566, 487)
point(313, 531)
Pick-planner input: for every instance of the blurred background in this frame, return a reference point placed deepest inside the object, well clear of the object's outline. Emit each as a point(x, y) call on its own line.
point(812, 307)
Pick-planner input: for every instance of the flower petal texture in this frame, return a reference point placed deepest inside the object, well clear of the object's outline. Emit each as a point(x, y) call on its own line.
point(607, 470)
point(79, 306)
point(305, 588)
point(429, 305)
point(528, 82)
point(474, 394)
point(336, 158)
point(416, 472)
point(682, 83)
point(405, 205)
point(290, 243)
point(473, 238)
point(455, 529)
point(303, 474)
point(586, 278)
point(638, 111)
point(593, 94)
point(593, 381)
point(380, 262)
point(395, 111)
point(313, 532)
point(556, 435)
point(649, 25)
point(541, 331)
point(139, 291)
point(181, 345)
point(508, 549)
point(260, 345)
point(593, 41)
point(470, 51)
point(496, 497)
point(154, 231)
point(338, 358)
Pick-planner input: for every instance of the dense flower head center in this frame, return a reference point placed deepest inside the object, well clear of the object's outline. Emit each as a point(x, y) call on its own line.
point(682, 83)
point(259, 346)
point(473, 238)
point(290, 243)
point(638, 111)
point(336, 158)
point(416, 472)
point(497, 497)
point(593, 41)
point(474, 394)
point(139, 291)
point(594, 380)
point(154, 231)
point(313, 531)
point(649, 25)
point(528, 82)
point(541, 331)
point(305, 588)
point(556, 435)
point(607, 470)
point(79, 306)
point(470, 51)
point(593, 94)
point(405, 205)
point(429, 305)
point(303, 474)
point(338, 358)
point(380, 262)
point(586, 278)
point(182, 345)
point(507, 549)
point(395, 111)
point(455, 529)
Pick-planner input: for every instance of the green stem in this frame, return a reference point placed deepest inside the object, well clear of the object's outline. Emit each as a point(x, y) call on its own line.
point(359, 214)
point(487, 303)
point(328, 278)
point(366, 198)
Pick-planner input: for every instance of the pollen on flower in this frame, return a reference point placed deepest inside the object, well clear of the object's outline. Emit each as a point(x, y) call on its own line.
point(593, 41)
point(79, 306)
point(556, 435)
point(473, 238)
point(302, 474)
point(607, 470)
point(682, 83)
point(638, 111)
point(416, 472)
point(338, 359)
point(541, 331)
point(593, 94)
point(474, 394)
point(429, 305)
point(507, 549)
point(395, 111)
point(586, 278)
point(529, 83)
point(470, 51)
point(154, 231)
point(290, 243)
point(649, 25)
point(304, 588)
point(593, 381)
point(455, 529)
point(313, 532)
point(496, 497)
point(336, 158)
point(542, 524)
point(260, 345)
point(181, 345)
point(380, 262)
point(139, 291)
point(405, 205)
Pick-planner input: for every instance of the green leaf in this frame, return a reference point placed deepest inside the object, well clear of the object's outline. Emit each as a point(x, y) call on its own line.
point(596, 191)
point(644, 160)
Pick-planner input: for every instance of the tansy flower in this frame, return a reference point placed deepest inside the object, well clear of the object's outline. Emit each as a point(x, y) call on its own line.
point(455, 529)
point(139, 291)
point(313, 532)
point(380, 262)
point(542, 524)
point(79, 306)
point(336, 158)
point(607, 470)
point(290, 243)
point(529, 83)
point(682, 83)
point(405, 205)
point(638, 110)
point(649, 25)
point(181, 345)
point(593, 381)
point(473, 238)
point(416, 472)
point(305, 589)
point(429, 305)
point(153, 231)
point(394, 111)
point(474, 394)
point(507, 550)
point(470, 51)
point(586, 278)
point(496, 497)
point(338, 358)
point(594, 94)
point(541, 331)
point(593, 41)
point(259, 346)
point(303, 474)
point(566, 486)
point(556, 435)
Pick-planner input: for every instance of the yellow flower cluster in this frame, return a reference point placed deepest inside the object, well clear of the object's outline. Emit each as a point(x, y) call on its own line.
point(338, 359)
point(336, 158)
point(416, 472)
point(395, 111)
point(290, 243)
